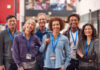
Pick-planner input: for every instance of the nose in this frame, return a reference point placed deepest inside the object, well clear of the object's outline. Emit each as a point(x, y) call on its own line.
point(73, 21)
point(41, 20)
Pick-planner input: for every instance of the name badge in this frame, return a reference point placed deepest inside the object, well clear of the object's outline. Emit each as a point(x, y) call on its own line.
point(53, 57)
point(28, 56)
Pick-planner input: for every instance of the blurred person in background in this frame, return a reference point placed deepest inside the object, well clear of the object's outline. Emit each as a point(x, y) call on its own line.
point(40, 5)
point(6, 41)
point(73, 34)
point(26, 46)
point(88, 48)
point(57, 51)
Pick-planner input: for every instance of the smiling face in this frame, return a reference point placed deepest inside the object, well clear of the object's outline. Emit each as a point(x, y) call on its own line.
point(12, 23)
point(56, 26)
point(29, 27)
point(73, 21)
point(42, 21)
point(88, 30)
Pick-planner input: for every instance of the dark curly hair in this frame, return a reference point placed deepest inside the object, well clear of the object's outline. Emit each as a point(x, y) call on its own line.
point(61, 22)
point(94, 33)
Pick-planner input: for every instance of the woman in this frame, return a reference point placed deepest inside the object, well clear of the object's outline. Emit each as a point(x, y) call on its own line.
point(26, 47)
point(57, 52)
point(88, 48)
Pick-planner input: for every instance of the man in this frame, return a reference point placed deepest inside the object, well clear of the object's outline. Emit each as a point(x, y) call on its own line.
point(74, 34)
point(6, 41)
point(41, 31)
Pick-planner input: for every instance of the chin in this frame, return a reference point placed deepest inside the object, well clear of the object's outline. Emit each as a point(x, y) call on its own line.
point(88, 35)
point(12, 27)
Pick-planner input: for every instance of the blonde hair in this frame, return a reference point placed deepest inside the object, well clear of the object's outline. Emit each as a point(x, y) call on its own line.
point(30, 21)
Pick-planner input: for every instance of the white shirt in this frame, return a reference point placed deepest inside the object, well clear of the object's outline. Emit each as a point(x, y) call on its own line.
point(72, 46)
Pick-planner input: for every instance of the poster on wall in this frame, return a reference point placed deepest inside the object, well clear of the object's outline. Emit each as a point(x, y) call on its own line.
point(54, 5)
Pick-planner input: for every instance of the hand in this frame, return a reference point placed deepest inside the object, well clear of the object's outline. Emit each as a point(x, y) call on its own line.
point(62, 68)
point(69, 64)
point(21, 68)
point(47, 41)
point(2, 67)
point(79, 52)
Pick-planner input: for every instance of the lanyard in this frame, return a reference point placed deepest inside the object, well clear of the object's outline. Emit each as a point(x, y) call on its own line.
point(28, 46)
point(73, 36)
point(54, 46)
point(10, 34)
point(87, 48)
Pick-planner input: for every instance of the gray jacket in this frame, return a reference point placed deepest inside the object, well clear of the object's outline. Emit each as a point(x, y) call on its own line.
point(93, 53)
point(5, 46)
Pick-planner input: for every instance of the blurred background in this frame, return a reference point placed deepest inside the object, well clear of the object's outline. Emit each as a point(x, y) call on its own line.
point(89, 10)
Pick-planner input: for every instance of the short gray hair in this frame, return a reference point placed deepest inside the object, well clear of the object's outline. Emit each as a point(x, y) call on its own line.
point(39, 14)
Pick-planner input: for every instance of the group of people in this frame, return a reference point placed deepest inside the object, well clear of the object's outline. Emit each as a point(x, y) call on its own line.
point(75, 49)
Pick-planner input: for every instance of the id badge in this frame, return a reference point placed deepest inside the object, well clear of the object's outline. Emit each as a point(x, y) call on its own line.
point(28, 56)
point(53, 57)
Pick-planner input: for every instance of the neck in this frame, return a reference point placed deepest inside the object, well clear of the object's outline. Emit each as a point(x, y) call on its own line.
point(42, 29)
point(89, 38)
point(27, 35)
point(74, 30)
point(12, 31)
point(55, 34)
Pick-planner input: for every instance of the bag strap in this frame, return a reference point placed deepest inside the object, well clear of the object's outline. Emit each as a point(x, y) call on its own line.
point(48, 36)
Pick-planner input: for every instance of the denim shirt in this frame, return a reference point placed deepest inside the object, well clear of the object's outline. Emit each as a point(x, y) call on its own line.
point(62, 53)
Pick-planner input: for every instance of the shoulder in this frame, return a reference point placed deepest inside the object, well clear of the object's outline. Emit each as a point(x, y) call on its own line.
point(19, 36)
point(3, 33)
point(96, 42)
point(63, 37)
point(34, 36)
point(65, 33)
point(79, 29)
point(47, 30)
point(18, 32)
point(82, 40)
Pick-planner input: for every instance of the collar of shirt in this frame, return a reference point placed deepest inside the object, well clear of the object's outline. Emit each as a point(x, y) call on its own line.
point(23, 34)
point(46, 30)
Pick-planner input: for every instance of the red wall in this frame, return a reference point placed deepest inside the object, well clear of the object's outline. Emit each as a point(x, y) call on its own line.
point(18, 14)
point(4, 11)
